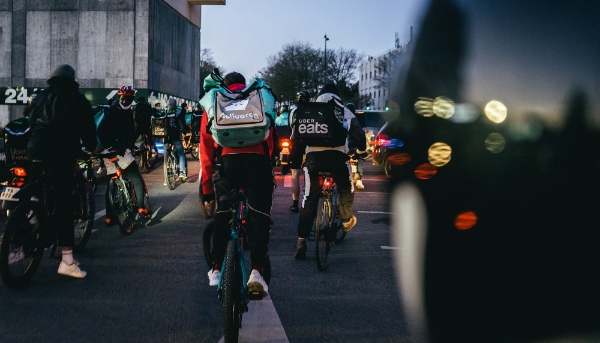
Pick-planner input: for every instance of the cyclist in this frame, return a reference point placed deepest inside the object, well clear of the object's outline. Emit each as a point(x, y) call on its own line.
point(61, 120)
point(336, 161)
point(282, 116)
point(142, 114)
point(175, 127)
point(296, 155)
point(352, 151)
point(116, 132)
point(251, 168)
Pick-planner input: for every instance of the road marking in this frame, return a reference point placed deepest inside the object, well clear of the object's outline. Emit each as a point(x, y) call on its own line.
point(261, 324)
point(385, 247)
point(376, 212)
point(100, 214)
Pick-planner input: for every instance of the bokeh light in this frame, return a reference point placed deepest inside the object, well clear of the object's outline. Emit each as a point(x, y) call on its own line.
point(443, 107)
point(424, 106)
point(465, 220)
point(495, 111)
point(495, 142)
point(425, 171)
point(399, 159)
point(439, 154)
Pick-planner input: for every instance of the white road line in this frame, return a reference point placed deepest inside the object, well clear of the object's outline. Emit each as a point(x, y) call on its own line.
point(377, 212)
point(287, 181)
point(261, 324)
point(385, 247)
point(100, 214)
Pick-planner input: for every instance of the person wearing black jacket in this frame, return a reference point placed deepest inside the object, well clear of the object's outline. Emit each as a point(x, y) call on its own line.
point(142, 115)
point(116, 132)
point(60, 121)
point(175, 127)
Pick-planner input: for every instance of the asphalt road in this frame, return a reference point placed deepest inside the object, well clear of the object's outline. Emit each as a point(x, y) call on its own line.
point(152, 286)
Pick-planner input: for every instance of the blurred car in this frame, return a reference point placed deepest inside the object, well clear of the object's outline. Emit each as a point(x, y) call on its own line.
point(387, 150)
point(494, 217)
point(371, 121)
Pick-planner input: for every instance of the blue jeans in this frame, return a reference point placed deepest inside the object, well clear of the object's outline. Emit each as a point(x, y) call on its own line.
point(179, 148)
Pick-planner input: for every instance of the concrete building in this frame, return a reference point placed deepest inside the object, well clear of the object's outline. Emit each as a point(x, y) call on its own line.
point(153, 45)
point(372, 92)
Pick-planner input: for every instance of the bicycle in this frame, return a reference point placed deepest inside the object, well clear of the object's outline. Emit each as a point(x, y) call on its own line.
point(188, 146)
point(122, 197)
point(28, 233)
point(149, 154)
point(328, 226)
point(232, 287)
point(171, 166)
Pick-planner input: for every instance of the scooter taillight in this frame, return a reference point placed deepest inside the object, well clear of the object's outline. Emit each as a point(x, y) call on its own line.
point(19, 171)
point(285, 144)
point(18, 182)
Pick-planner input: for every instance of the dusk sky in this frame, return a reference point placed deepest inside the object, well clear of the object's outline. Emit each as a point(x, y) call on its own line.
point(243, 34)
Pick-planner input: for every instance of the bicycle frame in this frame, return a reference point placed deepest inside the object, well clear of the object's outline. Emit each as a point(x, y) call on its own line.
point(238, 233)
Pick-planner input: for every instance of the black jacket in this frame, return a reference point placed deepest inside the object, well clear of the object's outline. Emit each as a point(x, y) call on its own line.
point(61, 120)
point(117, 129)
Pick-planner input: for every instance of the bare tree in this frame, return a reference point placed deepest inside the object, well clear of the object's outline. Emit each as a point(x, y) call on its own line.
point(342, 65)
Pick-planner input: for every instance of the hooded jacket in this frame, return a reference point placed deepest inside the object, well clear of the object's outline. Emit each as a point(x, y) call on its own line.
point(61, 120)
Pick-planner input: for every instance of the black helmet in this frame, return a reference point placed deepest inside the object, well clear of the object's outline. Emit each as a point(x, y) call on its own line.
point(350, 106)
point(283, 108)
point(303, 96)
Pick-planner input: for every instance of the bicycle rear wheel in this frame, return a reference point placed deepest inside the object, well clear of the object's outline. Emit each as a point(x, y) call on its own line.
point(171, 171)
point(120, 209)
point(142, 160)
point(152, 155)
point(194, 151)
point(207, 242)
point(20, 250)
point(322, 239)
point(85, 208)
point(232, 294)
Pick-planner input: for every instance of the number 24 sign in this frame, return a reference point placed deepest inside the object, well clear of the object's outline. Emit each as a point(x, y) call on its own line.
point(15, 96)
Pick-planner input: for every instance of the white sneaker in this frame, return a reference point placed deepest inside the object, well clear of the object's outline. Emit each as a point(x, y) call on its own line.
point(256, 283)
point(359, 184)
point(213, 277)
point(72, 270)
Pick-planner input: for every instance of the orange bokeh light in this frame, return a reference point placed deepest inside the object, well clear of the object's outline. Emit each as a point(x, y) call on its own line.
point(399, 159)
point(425, 171)
point(465, 220)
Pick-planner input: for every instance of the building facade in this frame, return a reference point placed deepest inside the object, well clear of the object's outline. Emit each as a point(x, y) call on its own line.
point(372, 91)
point(153, 45)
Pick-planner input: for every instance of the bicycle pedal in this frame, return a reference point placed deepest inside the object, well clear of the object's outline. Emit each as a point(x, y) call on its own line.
point(255, 296)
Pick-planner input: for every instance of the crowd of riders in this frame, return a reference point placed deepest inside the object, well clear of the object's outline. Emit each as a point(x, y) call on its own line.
point(60, 116)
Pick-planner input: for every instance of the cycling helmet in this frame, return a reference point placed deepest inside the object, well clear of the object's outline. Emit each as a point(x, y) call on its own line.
point(127, 91)
point(303, 96)
point(350, 106)
point(283, 109)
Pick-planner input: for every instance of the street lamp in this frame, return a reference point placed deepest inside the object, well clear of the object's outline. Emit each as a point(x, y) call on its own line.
point(326, 39)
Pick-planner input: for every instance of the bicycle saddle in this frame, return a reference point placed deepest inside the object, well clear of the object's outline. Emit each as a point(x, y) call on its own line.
point(233, 196)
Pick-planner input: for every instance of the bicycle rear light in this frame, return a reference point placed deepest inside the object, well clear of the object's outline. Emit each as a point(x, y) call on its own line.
point(19, 171)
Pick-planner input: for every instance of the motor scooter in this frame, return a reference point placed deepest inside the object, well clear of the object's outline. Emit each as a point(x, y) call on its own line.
point(285, 146)
point(16, 136)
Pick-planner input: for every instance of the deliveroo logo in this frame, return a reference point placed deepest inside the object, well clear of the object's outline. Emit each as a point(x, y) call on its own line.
point(237, 105)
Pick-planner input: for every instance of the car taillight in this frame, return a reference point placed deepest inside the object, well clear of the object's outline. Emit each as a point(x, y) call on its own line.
point(19, 171)
point(381, 139)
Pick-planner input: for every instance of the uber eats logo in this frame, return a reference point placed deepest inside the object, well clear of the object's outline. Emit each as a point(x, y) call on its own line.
point(311, 126)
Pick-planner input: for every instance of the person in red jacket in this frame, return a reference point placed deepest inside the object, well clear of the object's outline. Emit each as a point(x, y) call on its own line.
point(224, 169)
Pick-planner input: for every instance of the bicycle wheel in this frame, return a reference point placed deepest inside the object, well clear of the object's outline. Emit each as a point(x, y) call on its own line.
point(120, 209)
point(85, 208)
point(194, 151)
point(20, 251)
point(322, 239)
point(232, 294)
point(207, 242)
point(171, 170)
point(337, 226)
point(142, 160)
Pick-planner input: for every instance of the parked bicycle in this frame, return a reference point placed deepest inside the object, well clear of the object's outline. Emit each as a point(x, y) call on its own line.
point(188, 146)
point(28, 231)
point(148, 154)
point(122, 197)
point(171, 166)
point(232, 287)
point(328, 226)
